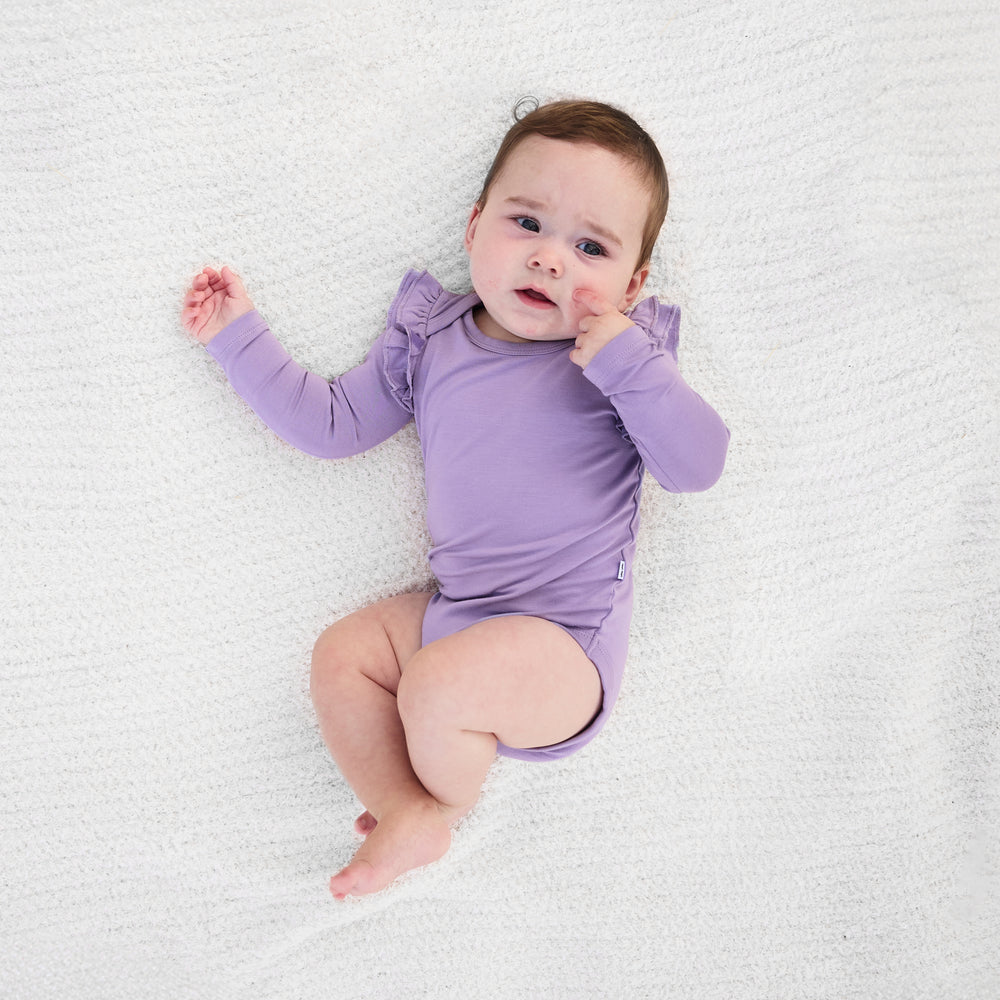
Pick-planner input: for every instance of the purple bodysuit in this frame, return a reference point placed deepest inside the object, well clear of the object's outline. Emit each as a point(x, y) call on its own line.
point(533, 465)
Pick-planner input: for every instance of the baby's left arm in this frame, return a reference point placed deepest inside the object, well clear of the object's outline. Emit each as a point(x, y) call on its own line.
point(682, 440)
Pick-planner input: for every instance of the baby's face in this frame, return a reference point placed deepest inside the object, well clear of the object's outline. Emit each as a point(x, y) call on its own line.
point(561, 216)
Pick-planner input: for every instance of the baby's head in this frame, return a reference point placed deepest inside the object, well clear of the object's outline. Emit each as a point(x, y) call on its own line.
point(572, 204)
point(600, 125)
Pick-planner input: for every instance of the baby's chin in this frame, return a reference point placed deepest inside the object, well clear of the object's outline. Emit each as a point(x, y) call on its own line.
point(542, 332)
point(514, 326)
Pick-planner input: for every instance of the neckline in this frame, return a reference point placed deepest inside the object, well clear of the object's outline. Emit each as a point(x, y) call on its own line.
point(488, 343)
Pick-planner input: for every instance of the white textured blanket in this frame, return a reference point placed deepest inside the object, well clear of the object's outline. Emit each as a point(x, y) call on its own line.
point(797, 796)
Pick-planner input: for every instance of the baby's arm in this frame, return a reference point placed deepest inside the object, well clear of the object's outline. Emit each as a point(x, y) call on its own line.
point(213, 301)
point(328, 419)
point(681, 439)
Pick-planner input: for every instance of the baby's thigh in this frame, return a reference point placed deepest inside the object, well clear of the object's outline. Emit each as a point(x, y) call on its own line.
point(524, 679)
point(376, 641)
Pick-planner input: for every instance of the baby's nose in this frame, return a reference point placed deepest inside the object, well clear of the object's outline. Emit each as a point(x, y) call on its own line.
point(547, 258)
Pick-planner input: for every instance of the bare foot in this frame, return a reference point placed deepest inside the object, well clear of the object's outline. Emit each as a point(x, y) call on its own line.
point(401, 841)
point(364, 824)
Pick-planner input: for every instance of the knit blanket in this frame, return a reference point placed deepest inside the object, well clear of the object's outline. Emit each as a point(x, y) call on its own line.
point(797, 794)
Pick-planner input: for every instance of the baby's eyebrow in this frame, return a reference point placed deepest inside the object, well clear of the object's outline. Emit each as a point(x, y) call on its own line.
point(535, 206)
point(539, 206)
point(605, 234)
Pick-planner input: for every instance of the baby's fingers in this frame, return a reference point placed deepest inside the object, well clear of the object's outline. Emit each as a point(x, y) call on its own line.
point(191, 319)
point(195, 298)
point(597, 304)
point(231, 282)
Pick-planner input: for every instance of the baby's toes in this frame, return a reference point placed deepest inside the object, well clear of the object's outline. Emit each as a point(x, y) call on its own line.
point(359, 878)
point(365, 823)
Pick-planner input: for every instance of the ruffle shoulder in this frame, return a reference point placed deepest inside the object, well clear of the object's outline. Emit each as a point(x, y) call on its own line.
point(420, 309)
point(660, 321)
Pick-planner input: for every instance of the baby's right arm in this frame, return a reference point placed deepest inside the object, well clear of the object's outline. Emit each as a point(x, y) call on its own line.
point(328, 419)
point(213, 301)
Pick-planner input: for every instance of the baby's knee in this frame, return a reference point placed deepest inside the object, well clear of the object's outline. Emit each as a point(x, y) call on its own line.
point(430, 691)
point(328, 659)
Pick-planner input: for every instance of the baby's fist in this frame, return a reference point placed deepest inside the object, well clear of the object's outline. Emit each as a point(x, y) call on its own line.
point(213, 301)
point(602, 323)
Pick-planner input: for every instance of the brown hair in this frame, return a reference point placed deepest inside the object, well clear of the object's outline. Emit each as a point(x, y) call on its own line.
point(604, 126)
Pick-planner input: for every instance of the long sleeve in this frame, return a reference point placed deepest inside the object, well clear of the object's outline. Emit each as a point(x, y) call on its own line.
point(332, 419)
point(682, 440)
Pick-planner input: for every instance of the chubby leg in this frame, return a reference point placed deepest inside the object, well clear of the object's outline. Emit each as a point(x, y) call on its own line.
point(520, 680)
point(414, 731)
point(355, 673)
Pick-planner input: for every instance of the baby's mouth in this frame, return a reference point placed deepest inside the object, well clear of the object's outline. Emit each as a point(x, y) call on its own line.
point(534, 297)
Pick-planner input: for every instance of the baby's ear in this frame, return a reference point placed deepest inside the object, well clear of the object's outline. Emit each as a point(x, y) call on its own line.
point(471, 226)
point(634, 289)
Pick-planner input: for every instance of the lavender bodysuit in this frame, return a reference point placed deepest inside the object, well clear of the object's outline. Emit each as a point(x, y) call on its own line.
point(533, 465)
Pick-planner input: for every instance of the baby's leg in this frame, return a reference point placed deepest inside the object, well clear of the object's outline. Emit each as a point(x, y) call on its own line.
point(414, 731)
point(356, 670)
point(520, 677)
point(520, 680)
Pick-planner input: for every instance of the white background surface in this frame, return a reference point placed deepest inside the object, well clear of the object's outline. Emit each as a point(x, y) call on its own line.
point(797, 795)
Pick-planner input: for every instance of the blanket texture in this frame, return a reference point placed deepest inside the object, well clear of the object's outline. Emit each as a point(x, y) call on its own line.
point(797, 795)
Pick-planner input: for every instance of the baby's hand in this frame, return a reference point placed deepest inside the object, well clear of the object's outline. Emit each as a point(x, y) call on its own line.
point(603, 324)
point(213, 301)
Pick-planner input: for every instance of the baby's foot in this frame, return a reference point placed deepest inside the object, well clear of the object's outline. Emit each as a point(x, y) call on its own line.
point(364, 824)
point(400, 841)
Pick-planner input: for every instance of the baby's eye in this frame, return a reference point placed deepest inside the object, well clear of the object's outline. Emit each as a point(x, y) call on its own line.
point(526, 222)
point(591, 249)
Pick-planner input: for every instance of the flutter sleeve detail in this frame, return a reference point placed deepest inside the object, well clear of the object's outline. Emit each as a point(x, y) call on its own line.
point(409, 325)
point(681, 439)
point(662, 323)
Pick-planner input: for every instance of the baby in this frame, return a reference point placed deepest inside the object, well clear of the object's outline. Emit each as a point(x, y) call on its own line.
point(539, 399)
